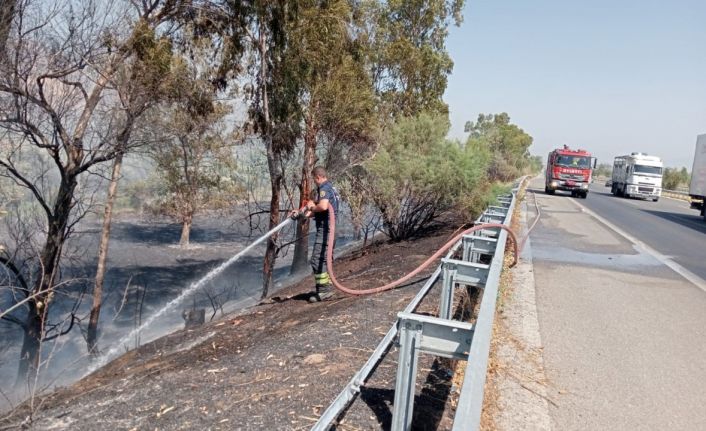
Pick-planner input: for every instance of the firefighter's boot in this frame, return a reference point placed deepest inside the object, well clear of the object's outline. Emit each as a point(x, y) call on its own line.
point(324, 288)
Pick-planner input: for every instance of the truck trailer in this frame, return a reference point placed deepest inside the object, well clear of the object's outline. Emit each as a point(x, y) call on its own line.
point(637, 175)
point(697, 186)
point(569, 170)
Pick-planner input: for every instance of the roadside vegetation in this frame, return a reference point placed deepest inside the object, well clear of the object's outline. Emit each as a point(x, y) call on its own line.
point(675, 178)
point(177, 107)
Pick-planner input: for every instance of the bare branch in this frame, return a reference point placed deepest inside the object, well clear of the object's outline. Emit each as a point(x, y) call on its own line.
point(27, 183)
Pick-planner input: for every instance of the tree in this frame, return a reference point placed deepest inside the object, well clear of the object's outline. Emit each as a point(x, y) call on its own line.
point(336, 96)
point(536, 164)
point(430, 175)
point(140, 82)
point(603, 170)
point(406, 48)
point(274, 110)
point(673, 178)
point(403, 47)
point(50, 90)
point(194, 158)
point(508, 144)
point(684, 176)
point(258, 28)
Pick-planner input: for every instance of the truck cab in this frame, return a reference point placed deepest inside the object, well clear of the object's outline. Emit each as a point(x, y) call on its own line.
point(637, 175)
point(569, 170)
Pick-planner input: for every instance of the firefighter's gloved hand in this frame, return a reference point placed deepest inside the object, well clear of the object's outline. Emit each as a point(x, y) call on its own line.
point(298, 215)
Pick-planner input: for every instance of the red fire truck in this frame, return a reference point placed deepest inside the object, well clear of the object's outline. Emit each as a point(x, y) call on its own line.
point(569, 170)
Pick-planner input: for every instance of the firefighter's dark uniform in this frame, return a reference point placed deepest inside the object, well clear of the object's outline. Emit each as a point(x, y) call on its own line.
point(318, 255)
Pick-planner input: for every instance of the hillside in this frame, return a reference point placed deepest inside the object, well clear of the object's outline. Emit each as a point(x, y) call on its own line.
point(274, 366)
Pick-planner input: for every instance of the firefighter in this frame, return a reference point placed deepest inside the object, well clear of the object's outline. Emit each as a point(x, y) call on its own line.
point(325, 199)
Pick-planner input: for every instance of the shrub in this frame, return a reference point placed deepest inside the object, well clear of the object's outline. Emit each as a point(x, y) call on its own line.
point(417, 174)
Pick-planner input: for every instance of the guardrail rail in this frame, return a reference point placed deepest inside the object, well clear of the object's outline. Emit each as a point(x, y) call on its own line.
point(443, 336)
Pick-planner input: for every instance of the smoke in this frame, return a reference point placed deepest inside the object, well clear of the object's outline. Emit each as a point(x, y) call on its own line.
point(145, 271)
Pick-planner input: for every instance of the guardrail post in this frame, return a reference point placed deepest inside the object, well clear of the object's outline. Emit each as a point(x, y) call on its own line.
point(447, 291)
point(476, 246)
point(424, 334)
point(458, 271)
point(504, 202)
point(410, 334)
point(491, 232)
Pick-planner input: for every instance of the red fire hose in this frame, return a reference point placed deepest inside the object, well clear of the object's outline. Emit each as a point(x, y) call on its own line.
point(392, 285)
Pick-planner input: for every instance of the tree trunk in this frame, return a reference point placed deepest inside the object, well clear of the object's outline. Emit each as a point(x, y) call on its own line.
point(273, 164)
point(185, 231)
point(7, 12)
point(49, 259)
point(92, 331)
point(301, 246)
point(29, 355)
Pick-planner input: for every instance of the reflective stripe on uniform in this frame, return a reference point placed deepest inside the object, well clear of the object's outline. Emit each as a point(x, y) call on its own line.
point(322, 278)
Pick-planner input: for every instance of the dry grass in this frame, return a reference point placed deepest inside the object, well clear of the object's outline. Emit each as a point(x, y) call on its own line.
point(501, 335)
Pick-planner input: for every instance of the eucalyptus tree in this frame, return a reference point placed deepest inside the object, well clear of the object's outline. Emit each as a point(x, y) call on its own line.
point(252, 39)
point(403, 43)
point(409, 62)
point(336, 96)
point(194, 156)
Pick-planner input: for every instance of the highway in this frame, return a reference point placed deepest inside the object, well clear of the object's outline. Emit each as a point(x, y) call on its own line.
point(668, 226)
point(623, 332)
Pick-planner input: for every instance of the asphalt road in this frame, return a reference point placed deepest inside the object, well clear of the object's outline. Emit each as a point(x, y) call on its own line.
point(623, 334)
point(668, 226)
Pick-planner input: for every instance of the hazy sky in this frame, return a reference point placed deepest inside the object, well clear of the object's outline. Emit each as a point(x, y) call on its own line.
point(611, 77)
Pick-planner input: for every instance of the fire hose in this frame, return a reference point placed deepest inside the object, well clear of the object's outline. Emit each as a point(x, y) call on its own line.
point(420, 268)
point(517, 247)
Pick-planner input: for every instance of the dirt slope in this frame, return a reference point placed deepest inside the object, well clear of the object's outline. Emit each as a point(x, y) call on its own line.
point(276, 366)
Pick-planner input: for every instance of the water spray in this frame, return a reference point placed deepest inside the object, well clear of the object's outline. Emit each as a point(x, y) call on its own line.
point(103, 359)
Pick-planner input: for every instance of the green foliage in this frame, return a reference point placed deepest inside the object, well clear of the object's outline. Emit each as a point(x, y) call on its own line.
point(535, 164)
point(603, 170)
point(195, 163)
point(507, 144)
point(673, 178)
point(417, 174)
point(405, 42)
point(141, 195)
point(335, 91)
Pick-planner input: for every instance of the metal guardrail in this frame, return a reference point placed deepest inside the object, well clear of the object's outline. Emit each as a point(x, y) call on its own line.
point(676, 193)
point(443, 336)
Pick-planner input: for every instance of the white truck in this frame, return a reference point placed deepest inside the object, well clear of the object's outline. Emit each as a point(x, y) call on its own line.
point(697, 186)
point(637, 175)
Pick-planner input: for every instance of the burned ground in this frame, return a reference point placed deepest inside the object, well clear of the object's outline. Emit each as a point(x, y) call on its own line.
point(275, 366)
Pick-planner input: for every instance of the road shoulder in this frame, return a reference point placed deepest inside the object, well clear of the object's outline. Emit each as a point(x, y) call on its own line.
point(517, 385)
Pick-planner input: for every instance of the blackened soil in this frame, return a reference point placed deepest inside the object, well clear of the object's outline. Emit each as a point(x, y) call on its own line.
point(276, 366)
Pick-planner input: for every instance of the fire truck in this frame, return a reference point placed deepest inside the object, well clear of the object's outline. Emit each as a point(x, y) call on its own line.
point(569, 170)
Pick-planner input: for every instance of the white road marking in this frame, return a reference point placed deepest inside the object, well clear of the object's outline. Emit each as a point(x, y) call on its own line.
point(690, 276)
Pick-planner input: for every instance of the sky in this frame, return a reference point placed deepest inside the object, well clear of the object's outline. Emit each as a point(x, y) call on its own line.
point(611, 77)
